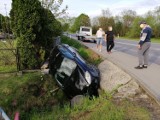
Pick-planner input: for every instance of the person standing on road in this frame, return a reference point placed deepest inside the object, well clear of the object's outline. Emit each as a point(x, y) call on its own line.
point(109, 38)
point(99, 37)
point(144, 45)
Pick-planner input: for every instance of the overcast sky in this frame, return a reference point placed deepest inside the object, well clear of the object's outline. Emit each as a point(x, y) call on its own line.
point(94, 7)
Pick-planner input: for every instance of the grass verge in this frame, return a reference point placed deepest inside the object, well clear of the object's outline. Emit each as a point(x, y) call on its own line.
point(153, 40)
point(85, 52)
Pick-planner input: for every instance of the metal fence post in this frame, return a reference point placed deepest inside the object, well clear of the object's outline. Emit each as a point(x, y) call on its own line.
point(17, 59)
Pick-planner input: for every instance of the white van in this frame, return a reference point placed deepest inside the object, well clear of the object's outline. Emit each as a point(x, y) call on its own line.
point(85, 34)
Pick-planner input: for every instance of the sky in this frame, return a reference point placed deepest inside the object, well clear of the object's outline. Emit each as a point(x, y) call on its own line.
point(5, 7)
point(94, 7)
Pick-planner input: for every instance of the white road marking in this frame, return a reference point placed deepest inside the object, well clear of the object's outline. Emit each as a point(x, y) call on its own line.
point(136, 45)
point(126, 43)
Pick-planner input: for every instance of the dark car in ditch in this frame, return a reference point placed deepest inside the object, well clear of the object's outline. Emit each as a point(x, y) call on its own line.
point(72, 73)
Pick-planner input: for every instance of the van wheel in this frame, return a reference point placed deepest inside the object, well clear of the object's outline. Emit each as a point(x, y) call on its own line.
point(78, 37)
point(83, 39)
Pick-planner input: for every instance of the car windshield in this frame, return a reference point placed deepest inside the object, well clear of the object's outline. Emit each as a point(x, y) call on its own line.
point(86, 29)
point(67, 66)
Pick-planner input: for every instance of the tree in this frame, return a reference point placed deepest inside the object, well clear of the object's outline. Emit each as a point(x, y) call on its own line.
point(54, 7)
point(134, 31)
point(104, 22)
point(128, 17)
point(2, 21)
point(49, 29)
point(157, 14)
point(65, 27)
point(154, 21)
point(81, 20)
point(59, 13)
point(106, 13)
point(35, 28)
point(5, 24)
point(119, 26)
point(95, 25)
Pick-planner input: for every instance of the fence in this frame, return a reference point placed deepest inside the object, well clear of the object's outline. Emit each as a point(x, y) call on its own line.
point(10, 59)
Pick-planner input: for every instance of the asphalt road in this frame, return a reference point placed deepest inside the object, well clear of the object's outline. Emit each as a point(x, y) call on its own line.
point(130, 47)
point(123, 56)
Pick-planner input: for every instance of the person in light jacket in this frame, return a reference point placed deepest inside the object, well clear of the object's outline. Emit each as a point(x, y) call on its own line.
point(144, 45)
point(99, 37)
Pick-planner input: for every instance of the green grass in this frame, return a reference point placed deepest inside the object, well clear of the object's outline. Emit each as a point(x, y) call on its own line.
point(27, 93)
point(16, 95)
point(7, 44)
point(101, 108)
point(8, 68)
point(153, 40)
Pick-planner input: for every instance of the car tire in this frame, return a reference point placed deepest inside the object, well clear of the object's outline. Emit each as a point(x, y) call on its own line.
point(83, 39)
point(76, 100)
point(78, 37)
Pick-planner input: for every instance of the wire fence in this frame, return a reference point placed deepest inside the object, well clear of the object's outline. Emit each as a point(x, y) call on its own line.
point(10, 59)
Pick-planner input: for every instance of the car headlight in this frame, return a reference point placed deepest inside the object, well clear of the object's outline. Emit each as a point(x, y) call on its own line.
point(88, 77)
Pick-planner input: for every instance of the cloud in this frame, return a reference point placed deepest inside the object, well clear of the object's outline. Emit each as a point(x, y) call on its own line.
point(5, 7)
point(140, 6)
point(95, 7)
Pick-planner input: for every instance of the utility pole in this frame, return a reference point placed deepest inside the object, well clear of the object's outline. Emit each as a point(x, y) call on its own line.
point(5, 8)
point(1, 24)
point(5, 21)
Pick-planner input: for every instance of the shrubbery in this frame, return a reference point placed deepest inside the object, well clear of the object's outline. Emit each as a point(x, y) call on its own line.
point(35, 28)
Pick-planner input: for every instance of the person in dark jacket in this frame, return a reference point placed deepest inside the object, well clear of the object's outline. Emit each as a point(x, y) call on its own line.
point(144, 45)
point(109, 38)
